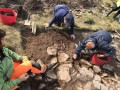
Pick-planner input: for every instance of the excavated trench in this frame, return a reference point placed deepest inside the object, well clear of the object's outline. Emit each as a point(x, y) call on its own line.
point(35, 47)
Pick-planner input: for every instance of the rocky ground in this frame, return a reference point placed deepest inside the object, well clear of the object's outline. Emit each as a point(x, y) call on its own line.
point(55, 45)
point(51, 46)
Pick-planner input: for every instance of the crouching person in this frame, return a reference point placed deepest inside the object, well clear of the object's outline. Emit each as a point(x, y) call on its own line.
point(62, 17)
point(14, 68)
point(96, 43)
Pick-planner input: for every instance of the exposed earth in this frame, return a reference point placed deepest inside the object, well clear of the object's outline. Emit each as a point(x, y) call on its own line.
point(35, 47)
point(80, 75)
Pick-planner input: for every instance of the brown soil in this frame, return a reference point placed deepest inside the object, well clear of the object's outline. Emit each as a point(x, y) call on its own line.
point(35, 46)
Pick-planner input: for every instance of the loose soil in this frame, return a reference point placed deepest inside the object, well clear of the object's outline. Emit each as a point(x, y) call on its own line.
point(35, 47)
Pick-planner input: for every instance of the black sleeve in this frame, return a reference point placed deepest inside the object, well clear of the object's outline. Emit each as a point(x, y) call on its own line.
point(80, 47)
point(72, 27)
point(109, 50)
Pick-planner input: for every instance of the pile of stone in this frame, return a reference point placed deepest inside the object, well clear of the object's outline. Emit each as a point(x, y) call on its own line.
point(83, 75)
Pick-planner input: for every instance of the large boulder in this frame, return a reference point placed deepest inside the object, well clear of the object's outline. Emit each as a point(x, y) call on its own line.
point(85, 75)
point(63, 72)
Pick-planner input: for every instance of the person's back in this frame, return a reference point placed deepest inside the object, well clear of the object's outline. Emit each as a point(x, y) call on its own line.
point(62, 17)
point(102, 35)
point(59, 7)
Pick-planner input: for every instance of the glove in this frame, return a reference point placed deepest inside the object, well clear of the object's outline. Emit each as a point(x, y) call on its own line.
point(100, 56)
point(25, 58)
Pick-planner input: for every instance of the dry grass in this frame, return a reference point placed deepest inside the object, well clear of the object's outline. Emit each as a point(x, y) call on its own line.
point(12, 38)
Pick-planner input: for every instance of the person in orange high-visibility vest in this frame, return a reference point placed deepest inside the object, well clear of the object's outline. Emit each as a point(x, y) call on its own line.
point(14, 67)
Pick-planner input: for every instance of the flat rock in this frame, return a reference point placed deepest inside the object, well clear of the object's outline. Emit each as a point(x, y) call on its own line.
point(52, 50)
point(63, 72)
point(85, 75)
point(62, 57)
point(97, 78)
point(96, 85)
point(96, 69)
point(54, 60)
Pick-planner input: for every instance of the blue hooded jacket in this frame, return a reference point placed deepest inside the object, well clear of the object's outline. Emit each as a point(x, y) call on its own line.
point(101, 40)
point(60, 11)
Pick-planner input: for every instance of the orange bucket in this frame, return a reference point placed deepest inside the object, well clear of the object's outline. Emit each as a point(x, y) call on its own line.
point(7, 16)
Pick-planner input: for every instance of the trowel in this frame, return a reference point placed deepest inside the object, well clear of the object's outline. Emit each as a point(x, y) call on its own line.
point(27, 21)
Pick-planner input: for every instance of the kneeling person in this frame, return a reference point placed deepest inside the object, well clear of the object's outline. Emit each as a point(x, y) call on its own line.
point(61, 17)
point(97, 42)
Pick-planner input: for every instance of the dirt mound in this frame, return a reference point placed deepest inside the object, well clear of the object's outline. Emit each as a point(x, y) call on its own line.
point(35, 46)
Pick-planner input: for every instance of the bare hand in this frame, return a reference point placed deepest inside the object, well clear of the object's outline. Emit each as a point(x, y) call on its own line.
point(72, 36)
point(46, 25)
point(75, 56)
point(24, 77)
point(100, 56)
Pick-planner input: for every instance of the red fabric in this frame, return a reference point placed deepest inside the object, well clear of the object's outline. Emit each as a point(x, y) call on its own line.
point(7, 20)
point(98, 61)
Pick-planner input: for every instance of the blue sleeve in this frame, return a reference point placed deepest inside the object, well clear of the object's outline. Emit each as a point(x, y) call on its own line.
point(72, 27)
point(109, 50)
point(53, 20)
point(80, 47)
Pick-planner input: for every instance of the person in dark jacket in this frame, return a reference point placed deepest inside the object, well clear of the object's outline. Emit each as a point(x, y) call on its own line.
point(115, 8)
point(61, 17)
point(98, 41)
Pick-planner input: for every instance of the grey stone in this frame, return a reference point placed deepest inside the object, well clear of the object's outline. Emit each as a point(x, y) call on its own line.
point(96, 85)
point(104, 75)
point(108, 67)
point(62, 57)
point(41, 86)
point(85, 75)
point(78, 85)
point(51, 74)
point(54, 60)
point(52, 50)
point(97, 78)
point(103, 87)
point(85, 62)
point(96, 69)
point(88, 86)
point(63, 72)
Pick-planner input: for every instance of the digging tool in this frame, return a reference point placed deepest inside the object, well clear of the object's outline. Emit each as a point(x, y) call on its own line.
point(27, 21)
point(34, 26)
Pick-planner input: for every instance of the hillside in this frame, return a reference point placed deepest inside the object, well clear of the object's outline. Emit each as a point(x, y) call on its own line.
point(90, 16)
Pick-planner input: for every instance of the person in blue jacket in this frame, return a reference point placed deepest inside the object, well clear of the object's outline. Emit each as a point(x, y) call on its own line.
point(98, 41)
point(61, 17)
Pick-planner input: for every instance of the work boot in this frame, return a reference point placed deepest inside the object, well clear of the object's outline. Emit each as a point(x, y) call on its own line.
point(39, 65)
point(51, 64)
